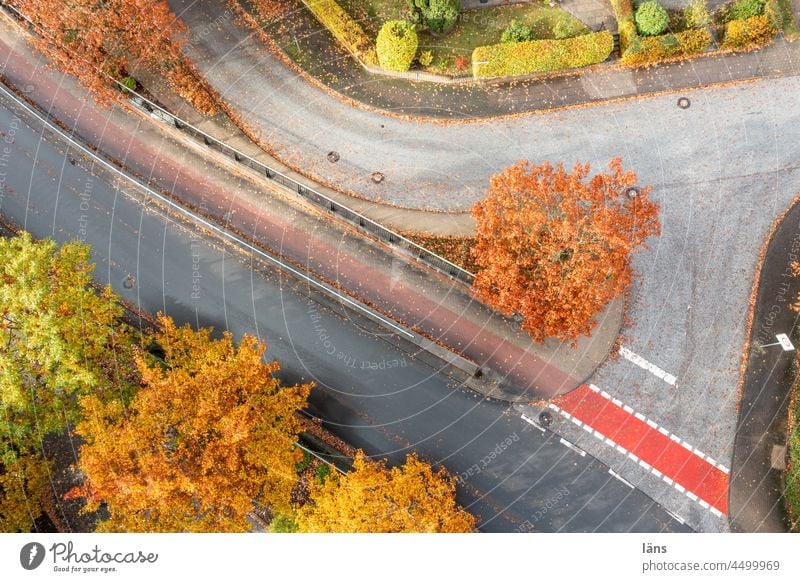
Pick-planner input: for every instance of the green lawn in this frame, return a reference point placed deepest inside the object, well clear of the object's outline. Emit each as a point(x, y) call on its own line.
point(474, 27)
point(793, 473)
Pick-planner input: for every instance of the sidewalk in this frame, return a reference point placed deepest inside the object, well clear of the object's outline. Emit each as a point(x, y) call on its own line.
point(410, 294)
point(759, 457)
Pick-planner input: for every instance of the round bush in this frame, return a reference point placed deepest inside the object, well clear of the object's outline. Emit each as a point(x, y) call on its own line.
point(516, 32)
point(744, 9)
point(397, 45)
point(651, 18)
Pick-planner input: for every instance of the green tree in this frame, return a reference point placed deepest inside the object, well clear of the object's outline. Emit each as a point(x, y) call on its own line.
point(58, 339)
point(438, 15)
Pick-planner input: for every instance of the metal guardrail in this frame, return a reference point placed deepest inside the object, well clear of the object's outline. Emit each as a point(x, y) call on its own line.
point(321, 201)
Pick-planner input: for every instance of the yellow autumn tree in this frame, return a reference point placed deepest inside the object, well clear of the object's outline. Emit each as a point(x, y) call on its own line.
point(210, 431)
point(374, 499)
point(21, 483)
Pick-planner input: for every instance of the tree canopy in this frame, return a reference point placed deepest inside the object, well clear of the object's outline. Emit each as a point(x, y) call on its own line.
point(373, 498)
point(90, 40)
point(210, 431)
point(59, 339)
point(555, 246)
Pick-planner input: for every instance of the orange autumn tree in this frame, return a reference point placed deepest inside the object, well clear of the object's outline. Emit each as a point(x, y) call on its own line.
point(374, 499)
point(555, 246)
point(210, 431)
point(91, 39)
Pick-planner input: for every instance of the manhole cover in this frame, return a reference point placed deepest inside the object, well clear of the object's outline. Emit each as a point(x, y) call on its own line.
point(377, 177)
point(632, 192)
point(333, 157)
point(129, 282)
point(545, 418)
point(684, 103)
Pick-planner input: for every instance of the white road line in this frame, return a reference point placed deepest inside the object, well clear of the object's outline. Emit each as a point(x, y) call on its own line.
point(620, 478)
point(569, 445)
point(645, 365)
point(198, 219)
point(716, 512)
point(532, 422)
point(675, 517)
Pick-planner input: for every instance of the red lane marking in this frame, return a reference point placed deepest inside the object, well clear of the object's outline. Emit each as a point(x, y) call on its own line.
point(684, 467)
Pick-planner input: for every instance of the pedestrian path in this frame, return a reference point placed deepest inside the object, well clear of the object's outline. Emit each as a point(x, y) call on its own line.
point(665, 455)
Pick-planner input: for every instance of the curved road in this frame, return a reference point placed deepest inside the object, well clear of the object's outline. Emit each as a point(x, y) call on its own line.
point(722, 170)
point(382, 399)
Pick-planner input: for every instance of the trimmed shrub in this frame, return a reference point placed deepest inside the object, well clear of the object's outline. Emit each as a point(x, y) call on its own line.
point(744, 9)
point(696, 14)
point(397, 45)
point(524, 58)
point(346, 30)
point(748, 33)
point(438, 15)
point(651, 19)
point(623, 10)
point(426, 58)
point(516, 32)
point(649, 49)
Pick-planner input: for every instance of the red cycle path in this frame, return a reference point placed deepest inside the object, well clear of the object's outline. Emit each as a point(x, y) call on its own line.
point(675, 461)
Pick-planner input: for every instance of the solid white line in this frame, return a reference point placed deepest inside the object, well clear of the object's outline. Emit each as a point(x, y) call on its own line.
point(569, 445)
point(675, 517)
point(532, 422)
point(198, 219)
point(593, 387)
point(620, 478)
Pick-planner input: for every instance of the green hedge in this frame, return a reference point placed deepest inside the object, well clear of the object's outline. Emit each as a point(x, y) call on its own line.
point(623, 9)
point(749, 33)
point(649, 49)
point(642, 50)
point(524, 58)
point(346, 30)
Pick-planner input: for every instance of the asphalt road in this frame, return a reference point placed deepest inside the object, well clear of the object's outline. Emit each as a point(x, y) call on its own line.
point(513, 476)
point(722, 170)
